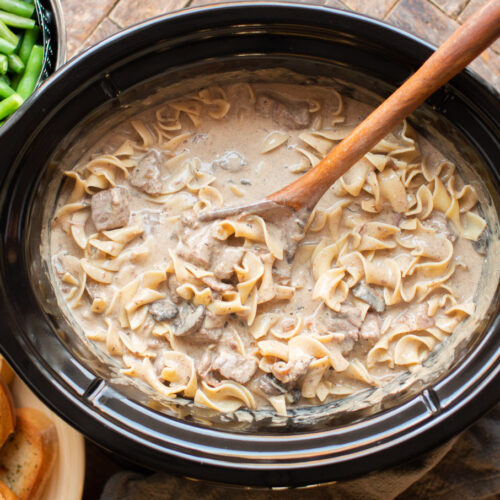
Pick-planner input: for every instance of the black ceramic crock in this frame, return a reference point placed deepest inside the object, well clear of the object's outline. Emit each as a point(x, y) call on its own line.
point(64, 373)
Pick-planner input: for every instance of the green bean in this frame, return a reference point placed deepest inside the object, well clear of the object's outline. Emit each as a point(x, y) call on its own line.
point(15, 64)
point(6, 34)
point(29, 39)
point(6, 79)
point(15, 79)
point(16, 7)
point(4, 64)
point(16, 21)
point(9, 105)
point(5, 90)
point(30, 76)
point(6, 47)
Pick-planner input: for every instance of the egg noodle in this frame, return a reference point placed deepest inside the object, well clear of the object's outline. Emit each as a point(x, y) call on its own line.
point(240, 312)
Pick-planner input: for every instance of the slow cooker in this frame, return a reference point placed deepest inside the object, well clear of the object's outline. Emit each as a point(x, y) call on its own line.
point(331, 442)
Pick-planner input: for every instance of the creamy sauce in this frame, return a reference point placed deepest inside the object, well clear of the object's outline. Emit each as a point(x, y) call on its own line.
point(238, 312)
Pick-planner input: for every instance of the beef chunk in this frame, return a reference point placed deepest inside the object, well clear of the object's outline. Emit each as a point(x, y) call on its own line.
point(201, 248)
point(197, 247)
point(146, 175)
point(351, 314)
point(343, 326)
point(210, 331)
point(442, 225)
point(415, 319)
point(291, 372)
point(226, 260)
point(226, 362)
point(370, 329)
point(110, 209)
point(204, 368)
point(173, 284)
point(213, 321)
point(163, 310)
point(289, 115)
point(206, 335)
point(345, 322)
point(282, 271)
point(234, 366)
point(217, 285)
point(370, 296)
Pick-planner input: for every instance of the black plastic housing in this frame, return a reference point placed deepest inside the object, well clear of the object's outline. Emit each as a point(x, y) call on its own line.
point(66, 376)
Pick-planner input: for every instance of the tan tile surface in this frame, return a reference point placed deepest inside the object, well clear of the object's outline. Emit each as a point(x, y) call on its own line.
point(89, 21)
point(378, 9)
point(330, 3)
point(128, 12)
point(423, 19)
point(104, 29)
point(82, 17)
point(336, 3)
point(430, 23)
point(471, 8)
point(451, 7)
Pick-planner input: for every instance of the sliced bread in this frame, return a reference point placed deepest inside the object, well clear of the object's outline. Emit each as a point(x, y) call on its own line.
point(7, 413)
point(6, 372)
point(27, 458)
point(6, 493)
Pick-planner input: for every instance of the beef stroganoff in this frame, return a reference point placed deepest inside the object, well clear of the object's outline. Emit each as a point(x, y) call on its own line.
point(245, 312)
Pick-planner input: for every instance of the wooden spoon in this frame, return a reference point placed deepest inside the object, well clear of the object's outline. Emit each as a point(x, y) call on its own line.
point(455, 54)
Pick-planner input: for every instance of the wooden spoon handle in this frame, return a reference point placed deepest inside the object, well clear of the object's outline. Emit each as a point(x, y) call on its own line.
point(460, 49)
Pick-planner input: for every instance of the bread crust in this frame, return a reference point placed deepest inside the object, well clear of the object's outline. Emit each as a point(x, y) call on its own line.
point(7, 413)
point(28, 457)
point(6, 372)
point(6, 493)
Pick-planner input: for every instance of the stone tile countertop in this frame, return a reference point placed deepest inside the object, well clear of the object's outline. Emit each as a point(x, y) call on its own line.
point(89, 21)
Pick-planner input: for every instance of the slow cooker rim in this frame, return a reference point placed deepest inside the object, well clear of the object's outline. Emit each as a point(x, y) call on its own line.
point(129, 32)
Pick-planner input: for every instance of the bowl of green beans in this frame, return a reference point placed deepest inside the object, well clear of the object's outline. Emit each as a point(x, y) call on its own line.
point(32, 47)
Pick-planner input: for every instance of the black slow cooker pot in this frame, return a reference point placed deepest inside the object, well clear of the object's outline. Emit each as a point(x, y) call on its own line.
point(312, 445)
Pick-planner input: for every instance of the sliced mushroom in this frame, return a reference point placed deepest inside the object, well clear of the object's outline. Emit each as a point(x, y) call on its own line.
point(293, 397)
point(269, 385)
point(481, 245)
point(189, 320)
point(232, 161)
point(364, 292)
point(163, 310)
